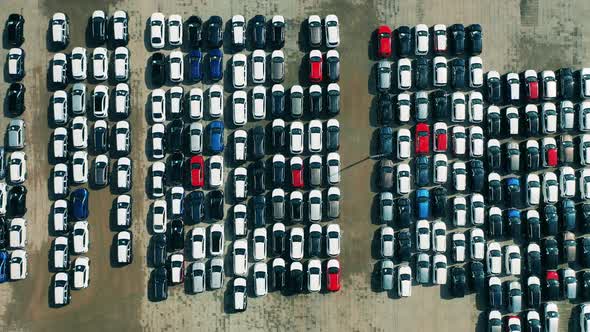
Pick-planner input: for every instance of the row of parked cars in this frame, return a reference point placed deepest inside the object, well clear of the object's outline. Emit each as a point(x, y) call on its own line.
point(101, 29)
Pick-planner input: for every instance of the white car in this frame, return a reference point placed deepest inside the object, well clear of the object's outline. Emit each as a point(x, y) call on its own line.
point(18, 264)
point(59, 65)
point(566, 115)
point(315, 136)
point(585, 184)
point(387, 242)
point(404, 281)
point(60, 253)
point(15, 65)
point(533, 189)
point(17, 167)
point(459, 247)
point(81, 272)
point(439, 69)
point(239, 71)
point(157, 182)
point(459, 176)
point(440, 38)
point(494, 258)
point(123, 210)
point(122, 100)
point(259, 240)
point(513, 260)
point(60, 29)
point(550, 188)
point(120, 27)
point(80, 167)
point(296, 137)
point(333, 167)
point(79, 63)
point(476, 142)
point(158, 101)
point(100, 105)
point(176, 66)
point(175, 30)
point(475, 106)
point(477, 209)
point(100, 64)
point(121, 63)
point(403, 107)
point(60, 216)
point(198, 239)
point(175, 95)
point(80, 237)
point(61, 289)
point(549, 84)
point(296, 245)
point(259, 102)
point(440, 168)
point(551, 317)
point(238, 29)
point(403, 144)
point(314, 275)
point(60, 180)
point(404, 74)
point(176, 198)
point(59, 104)
point(332, 31)
point(585, 83)
point(215, 171)
point(122, 137)
point(258, 66)
point(240, 145)
point(240, 183)
point(459, 211)
point(439, 269)
point(421, 43)
point(512, 117)
point(549, 121)
point(584, 317)
point(158, 133)
point(195, 98)
point(567, 182)
point(215, 101)
point(60, 143)
point(513, 87)
point(123, 174)
point(260, 279)
point(458, 113)
point(240, 256)
point(333, 238)
point(439, 236)
point(403, 179)
point(157, 35)
point(459, 140)
point(195, 133)
point(240, 108)
point(315, 206)
point(423, 235)
point(475, 72)
point(240, 214)
point(477, 241)
point(176, 268)
point(17, 233)
point(159, 216)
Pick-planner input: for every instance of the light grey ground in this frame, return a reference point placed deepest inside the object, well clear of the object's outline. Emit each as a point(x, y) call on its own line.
point(518, 35)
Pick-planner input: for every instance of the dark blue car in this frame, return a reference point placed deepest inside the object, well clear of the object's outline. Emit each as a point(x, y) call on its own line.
point(515, 223)
point(216, 136)
point(79, 204)
point(423, 203)
point(422, 171)
point(4, 258)
point(195, 60)
point(215, 64)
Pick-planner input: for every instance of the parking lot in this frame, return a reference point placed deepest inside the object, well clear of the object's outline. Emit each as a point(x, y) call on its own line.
point(517, 35)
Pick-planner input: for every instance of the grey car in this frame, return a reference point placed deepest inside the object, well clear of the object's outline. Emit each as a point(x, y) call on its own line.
point(386, 206)
point(278, 204)
point(569, 246)
point(383, 75)
point(512, 157)
point(386, 274)
point(333, 202)
point(315, 170)
point(16, 134)
point(216, 273)
point(296, 101)
point(423, 268)
point(197, 275)
point(79, 99)
point(101, 170)
point(386, 174)
point(277, 66)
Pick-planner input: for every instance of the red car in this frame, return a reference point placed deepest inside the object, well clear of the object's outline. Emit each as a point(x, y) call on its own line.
point(297, 172)
point(440, 137)
point(422, 138)
point(197, 171)
point(383, 42)
point(333, 275)
point(550, 150)
point(315, 66)
point(532, 85)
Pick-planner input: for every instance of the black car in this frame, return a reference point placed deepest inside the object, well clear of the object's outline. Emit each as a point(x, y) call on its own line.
point(194, 26)
point(333, 101)
point(333, 68)
point(278, 138)
point(457, 39)
point(513, 193)
point(3, 232)
point(551, 253)
point(175, 235)
point(551, 223)
point(296, 281)
point(174, 135)
point(552, 287)
point(101, 139)
point(494, 91)
point(533, 229)
point(585, 217)
point(478, 276)
point(258, 181)
point(494, 157)
point(158, 68)
point(494, 124)
point(278, 277)
point(259, 208)
point(477, 175)
point(422, 171)
point(495, 225)
point(278, 173)
point(216, 201)
point(279, 240)
point(495, 191)
point(98, 29)
point(16, 99)
point(495, 296)
point(159, 250)
point(458, 281)
point(215, 32)
point(586, 285)
point(534, 295)
point(160, 284)
point(15, 30)
point(585, 252)
point(384, 109)
point(439, 201)
point(568, 215)
point(314, 241)
point(296, 209)
point(458, 73)
point(385, 140)
point(475, 39)
point(195, 206)
point(277, 34)
point(404, 212)
point(259, 31)
point(315, 102)
point(17, 201)
point(332, 137)
point(278, 103)
point(533, 262)
point(405, 246)
point(441, 106)
point(421, 73)
point(175, 168)
point(532, 123)
point(515, 224)
point(566, 83)
point(533, 156)
point(404, 41)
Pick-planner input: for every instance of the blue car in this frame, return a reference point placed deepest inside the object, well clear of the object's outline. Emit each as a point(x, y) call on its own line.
point(4, 258)
point(79, 204)
point(195, 60)
point(513, 197)
point(216, 136)
point(423, 203)
point(515, 223)
point(215, 64)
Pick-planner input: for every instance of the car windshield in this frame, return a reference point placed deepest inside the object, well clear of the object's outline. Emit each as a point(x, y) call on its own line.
point(239, 63)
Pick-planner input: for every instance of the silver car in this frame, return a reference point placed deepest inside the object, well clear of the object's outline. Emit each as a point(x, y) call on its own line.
point(421, 105)
point(198, 278)
point(333, 202)
point(513, 156)
point(386, 205)
point(278, 204)
point(423, 268)
point(383, 75)
point(277, 66)
point(216, 273)
point(315, 170)
point(16, 134)
point(79, 99)
point(386, 274)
